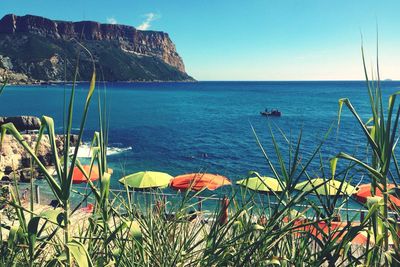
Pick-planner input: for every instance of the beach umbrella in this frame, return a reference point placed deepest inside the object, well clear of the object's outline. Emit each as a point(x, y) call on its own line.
point(318, 230)
point(78, 177)
point(146, 179)
point(362, 238)
point(199, 181)
point(364, 192)
point(339, 230)
point(336, 228)
point(324, 187)
point(263, 184)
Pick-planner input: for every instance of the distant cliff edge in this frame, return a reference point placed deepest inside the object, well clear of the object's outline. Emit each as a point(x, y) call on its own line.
point(35, 49)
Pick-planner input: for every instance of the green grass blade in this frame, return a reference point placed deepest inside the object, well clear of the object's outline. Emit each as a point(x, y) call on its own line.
point(9, 127)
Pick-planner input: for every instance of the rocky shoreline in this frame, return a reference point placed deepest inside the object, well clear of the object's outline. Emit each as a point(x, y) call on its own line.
point(15, 162)
point(13, 82)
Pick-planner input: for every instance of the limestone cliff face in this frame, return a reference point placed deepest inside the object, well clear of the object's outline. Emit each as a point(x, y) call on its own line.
point(104, 40)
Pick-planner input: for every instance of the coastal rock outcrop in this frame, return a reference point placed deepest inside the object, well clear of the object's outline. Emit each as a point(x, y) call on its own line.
point(41, 48)
point(22, 123)
point(15, 161)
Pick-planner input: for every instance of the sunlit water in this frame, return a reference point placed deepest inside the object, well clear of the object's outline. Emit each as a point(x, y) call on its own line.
point(206, 126)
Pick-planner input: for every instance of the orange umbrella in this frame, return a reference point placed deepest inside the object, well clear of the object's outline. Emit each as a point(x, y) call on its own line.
point(364, 192)
point(198, 181)
point(78, 177)
point(321, 227)
point(336, 229)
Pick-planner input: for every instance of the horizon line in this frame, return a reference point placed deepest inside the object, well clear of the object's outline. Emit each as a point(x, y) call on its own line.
point(385, 80)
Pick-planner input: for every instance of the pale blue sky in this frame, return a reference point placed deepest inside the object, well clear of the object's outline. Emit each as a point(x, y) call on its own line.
point(252, 39)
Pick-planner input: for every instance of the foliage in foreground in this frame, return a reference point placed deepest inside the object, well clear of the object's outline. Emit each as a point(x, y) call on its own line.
point(122, 232)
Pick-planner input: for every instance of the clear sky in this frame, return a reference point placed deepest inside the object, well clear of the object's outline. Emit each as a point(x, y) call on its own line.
point(252, 39)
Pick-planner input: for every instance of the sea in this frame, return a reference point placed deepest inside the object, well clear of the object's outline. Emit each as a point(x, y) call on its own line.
point(178, 127)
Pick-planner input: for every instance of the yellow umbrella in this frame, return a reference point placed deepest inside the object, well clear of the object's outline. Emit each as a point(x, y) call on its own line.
point(146, 179)
point(324, 187)
point(264, 184)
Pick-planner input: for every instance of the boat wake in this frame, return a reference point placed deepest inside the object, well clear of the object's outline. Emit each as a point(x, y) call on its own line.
point(85, 150)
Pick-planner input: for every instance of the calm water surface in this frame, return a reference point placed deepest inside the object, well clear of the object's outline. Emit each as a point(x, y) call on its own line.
point(188, 127)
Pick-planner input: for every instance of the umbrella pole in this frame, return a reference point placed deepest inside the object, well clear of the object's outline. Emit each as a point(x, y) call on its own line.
point(223, 216)
point(269, 205)
point(200, 204)
point(164, 200)
point(86, 199)
point(133, 197)
point(154, 198)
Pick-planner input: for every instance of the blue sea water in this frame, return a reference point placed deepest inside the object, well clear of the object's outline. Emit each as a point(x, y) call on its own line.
point(206, 126)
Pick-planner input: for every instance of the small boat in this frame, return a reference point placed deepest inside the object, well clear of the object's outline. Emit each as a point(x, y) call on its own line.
point(272, 113)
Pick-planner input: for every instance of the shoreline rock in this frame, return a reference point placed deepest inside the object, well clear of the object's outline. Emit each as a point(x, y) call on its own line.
point(22, 123)
point(15, 161)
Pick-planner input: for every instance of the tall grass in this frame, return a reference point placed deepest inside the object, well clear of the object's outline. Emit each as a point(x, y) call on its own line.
point(381, 135)
point(282, 231)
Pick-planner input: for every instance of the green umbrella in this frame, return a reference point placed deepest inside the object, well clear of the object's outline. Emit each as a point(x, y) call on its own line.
point(264, 184)
point(330, 188)
point(146, 179)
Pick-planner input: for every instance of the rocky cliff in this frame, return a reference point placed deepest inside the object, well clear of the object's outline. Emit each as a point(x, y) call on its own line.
point(22, 123)
point(41, 49)
point(15, 161)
